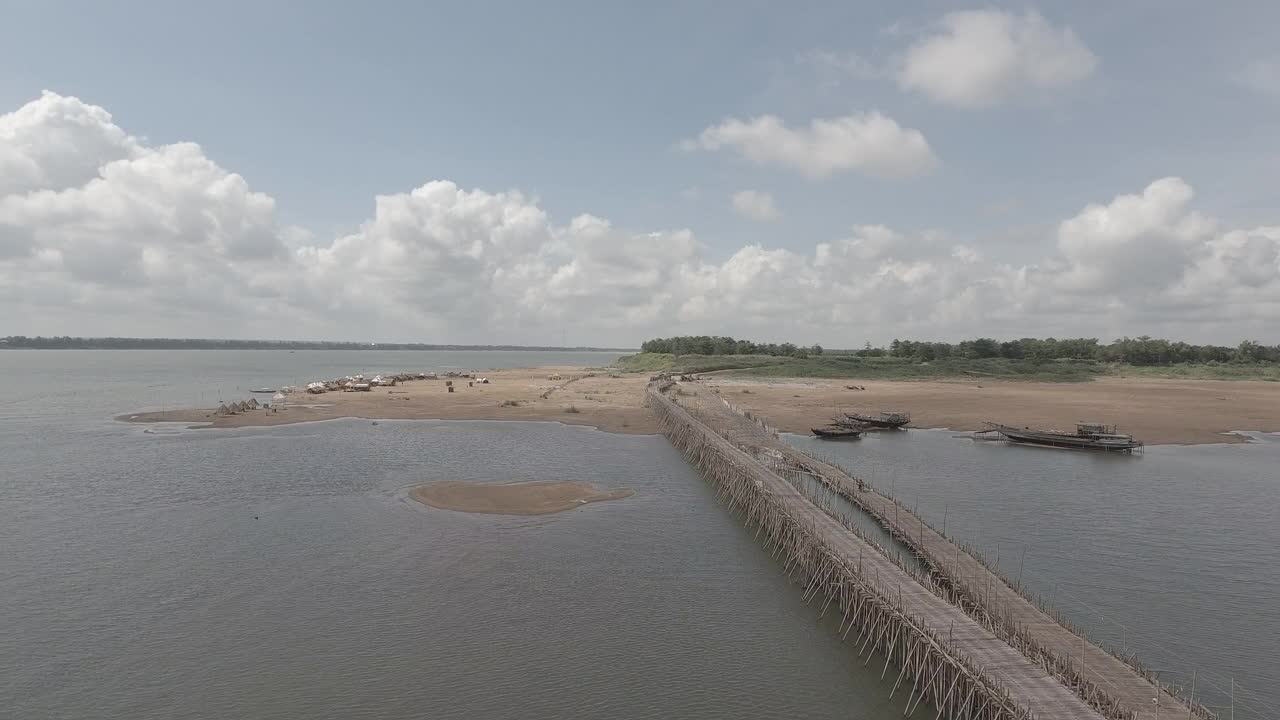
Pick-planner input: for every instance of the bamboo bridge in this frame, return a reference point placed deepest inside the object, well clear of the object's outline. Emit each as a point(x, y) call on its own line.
point(959, 636)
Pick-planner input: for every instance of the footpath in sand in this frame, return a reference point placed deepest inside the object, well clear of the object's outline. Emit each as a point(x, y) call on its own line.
point(1154, 411)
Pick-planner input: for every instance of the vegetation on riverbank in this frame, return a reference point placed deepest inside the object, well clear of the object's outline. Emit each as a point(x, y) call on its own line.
point(667, 362)
point(832, 365)
point(1046, 360)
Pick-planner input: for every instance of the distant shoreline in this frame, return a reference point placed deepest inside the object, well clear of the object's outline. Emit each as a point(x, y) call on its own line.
point(197, 344)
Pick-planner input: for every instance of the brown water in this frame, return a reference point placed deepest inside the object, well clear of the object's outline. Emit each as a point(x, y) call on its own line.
point(1174, 554)
point(283, 572)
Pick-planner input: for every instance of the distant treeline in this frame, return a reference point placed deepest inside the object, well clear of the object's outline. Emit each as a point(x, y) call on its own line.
point(116, 343)
point(721, 345)
point(1132, 351)
point(1143, 350)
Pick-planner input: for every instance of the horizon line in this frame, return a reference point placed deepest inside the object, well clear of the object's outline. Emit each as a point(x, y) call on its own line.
point(345, 344)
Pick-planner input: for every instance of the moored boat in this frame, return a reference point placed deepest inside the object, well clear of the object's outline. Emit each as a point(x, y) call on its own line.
point(834, 432)
point(883, 419)
point(1088, 436)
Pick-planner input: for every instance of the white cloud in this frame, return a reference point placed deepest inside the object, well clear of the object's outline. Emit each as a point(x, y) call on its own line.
point(755, 205)
point(1262, 76)
point(94, 220)
point(1135, 241)
point(981, 57)
point(160, 240)
point(871, 143)
point(57, 143)
point(1147, 262)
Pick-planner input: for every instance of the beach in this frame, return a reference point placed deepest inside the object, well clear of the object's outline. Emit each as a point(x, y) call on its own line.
point(1155, 411)
point(574, 396)
point(1158, 412)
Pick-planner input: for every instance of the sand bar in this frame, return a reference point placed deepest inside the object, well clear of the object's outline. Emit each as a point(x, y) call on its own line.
point(1155, 411)
point(575, 396)
point(530, 498)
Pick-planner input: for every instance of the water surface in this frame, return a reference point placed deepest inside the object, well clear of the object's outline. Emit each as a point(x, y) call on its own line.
point(157, 572)
point(1174, 553)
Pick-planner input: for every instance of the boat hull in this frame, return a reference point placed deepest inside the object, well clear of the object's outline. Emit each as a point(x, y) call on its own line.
point(1063, 440)
point(836, 433)
point(895, 423)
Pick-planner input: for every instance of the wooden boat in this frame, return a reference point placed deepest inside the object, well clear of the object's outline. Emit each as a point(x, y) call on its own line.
point(264, 391)
point(836, 432)
point(883, 419)
point(1088, 436)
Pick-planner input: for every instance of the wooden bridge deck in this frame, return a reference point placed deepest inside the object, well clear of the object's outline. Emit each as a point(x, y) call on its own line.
point(1122, 683)
point(1027, 683)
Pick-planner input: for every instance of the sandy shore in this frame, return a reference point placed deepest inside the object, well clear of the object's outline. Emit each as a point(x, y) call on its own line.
point(1155, 411)
point(611, 404)
point(532, 498)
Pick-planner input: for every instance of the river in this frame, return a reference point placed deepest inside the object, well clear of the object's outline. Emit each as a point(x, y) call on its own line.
point(158, 572)
point(155, 572)
point(1173, 553)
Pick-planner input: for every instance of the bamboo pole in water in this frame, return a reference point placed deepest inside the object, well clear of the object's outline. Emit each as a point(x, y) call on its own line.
point(935, 668)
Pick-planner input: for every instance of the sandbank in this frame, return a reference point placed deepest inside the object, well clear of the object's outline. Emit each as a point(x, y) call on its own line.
point(1156, 411)
point(530, 498)
point(575, 396)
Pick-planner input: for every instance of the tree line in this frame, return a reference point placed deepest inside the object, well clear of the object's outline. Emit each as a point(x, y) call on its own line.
point(1144, 350)
point(724, 345)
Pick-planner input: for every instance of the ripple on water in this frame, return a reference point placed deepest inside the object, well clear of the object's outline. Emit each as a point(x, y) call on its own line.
point(279, 573)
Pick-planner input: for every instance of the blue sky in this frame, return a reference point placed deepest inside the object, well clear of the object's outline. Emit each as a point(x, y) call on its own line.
point(582, 107)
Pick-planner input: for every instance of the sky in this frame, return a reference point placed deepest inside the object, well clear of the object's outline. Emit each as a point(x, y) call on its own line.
point(604, 172)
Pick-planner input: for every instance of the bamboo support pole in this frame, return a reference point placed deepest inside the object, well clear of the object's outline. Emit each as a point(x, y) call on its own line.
point(883, 624)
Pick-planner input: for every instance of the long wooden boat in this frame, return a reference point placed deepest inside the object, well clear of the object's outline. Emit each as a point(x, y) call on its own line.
point(1088, 436)
point(883, 419)
point(836, 432)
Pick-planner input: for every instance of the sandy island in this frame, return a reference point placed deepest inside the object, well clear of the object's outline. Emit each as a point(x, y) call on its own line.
point(1155, 411)
point(531, 498)
point(575, 396)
